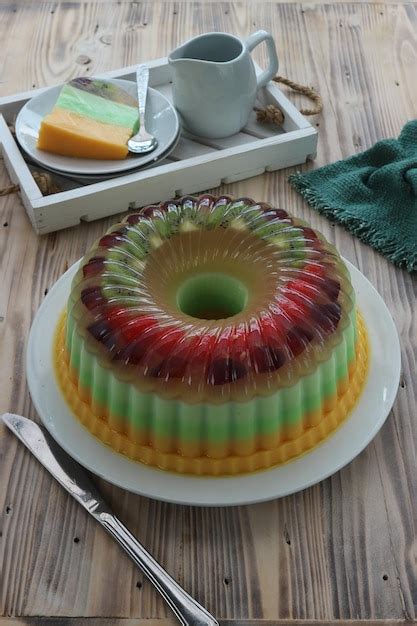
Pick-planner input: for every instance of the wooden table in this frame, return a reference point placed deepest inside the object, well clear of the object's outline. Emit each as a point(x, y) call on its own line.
point(345, 549)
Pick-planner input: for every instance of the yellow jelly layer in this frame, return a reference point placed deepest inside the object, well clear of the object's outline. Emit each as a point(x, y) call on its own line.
point(70, 134)
point(250, 455)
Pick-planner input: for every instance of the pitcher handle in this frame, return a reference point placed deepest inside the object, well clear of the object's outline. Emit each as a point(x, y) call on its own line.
point(251, 42)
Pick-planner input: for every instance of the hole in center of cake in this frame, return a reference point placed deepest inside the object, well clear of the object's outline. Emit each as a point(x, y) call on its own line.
point(212, 296)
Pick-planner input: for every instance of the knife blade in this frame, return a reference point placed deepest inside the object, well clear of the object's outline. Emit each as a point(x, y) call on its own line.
point(77, 482)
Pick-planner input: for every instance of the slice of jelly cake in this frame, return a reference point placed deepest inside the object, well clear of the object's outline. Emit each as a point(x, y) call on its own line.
point(91, 119)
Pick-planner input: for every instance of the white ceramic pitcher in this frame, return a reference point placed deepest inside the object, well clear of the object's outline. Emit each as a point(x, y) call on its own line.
point(215, 83)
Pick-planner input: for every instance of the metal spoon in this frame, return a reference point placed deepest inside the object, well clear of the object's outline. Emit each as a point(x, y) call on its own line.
point(143, 141)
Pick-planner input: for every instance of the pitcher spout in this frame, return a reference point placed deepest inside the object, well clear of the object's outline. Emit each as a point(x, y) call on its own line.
point(179, 54)
point(209, 48)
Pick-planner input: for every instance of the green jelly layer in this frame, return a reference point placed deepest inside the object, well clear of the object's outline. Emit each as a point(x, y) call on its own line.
point(138, 411)
point(97, 108)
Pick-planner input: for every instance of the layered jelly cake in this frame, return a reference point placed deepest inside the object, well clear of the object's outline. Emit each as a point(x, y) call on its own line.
point(211, 336)
point(91, 119)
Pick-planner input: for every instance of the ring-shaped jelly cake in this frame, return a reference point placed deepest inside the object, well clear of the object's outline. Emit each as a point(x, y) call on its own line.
point(211, 336)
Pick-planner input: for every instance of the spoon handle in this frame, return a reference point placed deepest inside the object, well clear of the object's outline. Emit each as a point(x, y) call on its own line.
point(142, 79)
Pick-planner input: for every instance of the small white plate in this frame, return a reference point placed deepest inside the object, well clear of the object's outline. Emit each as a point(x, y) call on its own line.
point(89, 179)
point(161, 120)
point(326, 459)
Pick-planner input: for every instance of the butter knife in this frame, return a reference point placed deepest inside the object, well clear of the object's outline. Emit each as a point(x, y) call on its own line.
point(75, 480)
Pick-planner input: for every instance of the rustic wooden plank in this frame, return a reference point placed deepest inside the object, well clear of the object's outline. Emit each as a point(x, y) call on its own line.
point(342, 550)
point(18, 3)
point(104, 621)
point(65, 621)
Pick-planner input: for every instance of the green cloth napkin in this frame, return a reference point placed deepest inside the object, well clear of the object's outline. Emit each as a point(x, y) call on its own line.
point(373, 195)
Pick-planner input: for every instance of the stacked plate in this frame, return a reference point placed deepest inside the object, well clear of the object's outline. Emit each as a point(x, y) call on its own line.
point(161, 120)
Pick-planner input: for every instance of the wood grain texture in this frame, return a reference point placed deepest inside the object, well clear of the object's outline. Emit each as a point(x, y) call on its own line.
point(345, 549)
point(15, 4)
point(104, 621)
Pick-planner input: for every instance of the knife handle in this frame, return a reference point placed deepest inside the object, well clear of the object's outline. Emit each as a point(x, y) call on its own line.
point(188, 611)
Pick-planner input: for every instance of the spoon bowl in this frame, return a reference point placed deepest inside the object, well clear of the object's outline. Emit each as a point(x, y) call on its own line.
point(142, 143)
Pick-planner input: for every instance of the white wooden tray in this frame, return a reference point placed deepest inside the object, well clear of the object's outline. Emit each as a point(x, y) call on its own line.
point(195, 165)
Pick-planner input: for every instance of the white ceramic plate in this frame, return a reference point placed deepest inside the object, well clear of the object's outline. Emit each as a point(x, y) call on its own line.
point(336, 451)
point(89, 179)
point(161, 120)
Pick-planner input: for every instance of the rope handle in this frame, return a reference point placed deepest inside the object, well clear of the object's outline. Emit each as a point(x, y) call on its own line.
point(44, 181)
point(273, 115)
